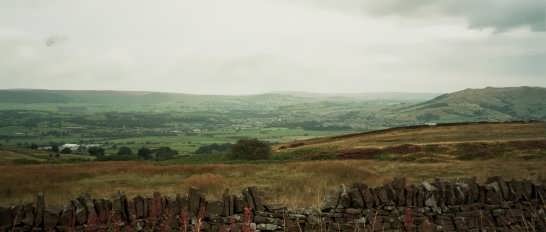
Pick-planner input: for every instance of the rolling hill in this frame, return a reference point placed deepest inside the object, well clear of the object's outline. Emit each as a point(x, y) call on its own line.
point(294, 110)
point(33, 96)
point(489, 104)
point(468, 140)
point(36, 99)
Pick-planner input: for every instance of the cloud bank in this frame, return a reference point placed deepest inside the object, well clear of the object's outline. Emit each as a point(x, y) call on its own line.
point(254, 46)
point(501, 15)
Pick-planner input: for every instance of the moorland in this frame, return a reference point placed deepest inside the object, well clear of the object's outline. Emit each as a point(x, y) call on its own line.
point(318, 141)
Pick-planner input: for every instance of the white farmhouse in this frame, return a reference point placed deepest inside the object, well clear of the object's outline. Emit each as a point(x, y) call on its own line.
point(72, 147)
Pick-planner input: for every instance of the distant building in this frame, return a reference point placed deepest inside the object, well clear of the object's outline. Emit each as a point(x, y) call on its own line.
point(431, 124)
point(45, 148)
point(72, 147)
point(87, 146)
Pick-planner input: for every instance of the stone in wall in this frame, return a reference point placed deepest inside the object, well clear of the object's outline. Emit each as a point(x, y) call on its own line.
point(463, 205)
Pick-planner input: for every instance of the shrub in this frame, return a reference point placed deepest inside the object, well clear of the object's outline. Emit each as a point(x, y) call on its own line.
point(145, 153)
point(66, 150)
point(214, 148)
point(162, 153)
point(250, 149)
point(165, 153)
point(125, 151)
point(96, 151)
point(55, 148)
point(33, 146)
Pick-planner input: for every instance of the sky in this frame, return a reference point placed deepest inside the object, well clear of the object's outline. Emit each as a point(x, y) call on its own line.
point(256, 46)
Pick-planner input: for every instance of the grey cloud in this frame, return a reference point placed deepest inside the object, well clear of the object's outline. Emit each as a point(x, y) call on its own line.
point(243, 46)
point(501, 15)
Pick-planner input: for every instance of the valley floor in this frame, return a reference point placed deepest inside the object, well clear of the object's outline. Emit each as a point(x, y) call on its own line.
point(293, 184)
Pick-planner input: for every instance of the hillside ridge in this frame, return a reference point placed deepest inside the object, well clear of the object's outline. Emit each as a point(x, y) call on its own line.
point(538, 126)
point(502, 104)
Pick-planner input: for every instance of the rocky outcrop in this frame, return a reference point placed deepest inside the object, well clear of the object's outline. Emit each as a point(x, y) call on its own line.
point(464, 205)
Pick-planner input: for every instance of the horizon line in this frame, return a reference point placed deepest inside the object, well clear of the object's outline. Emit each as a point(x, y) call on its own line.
point(281, 92)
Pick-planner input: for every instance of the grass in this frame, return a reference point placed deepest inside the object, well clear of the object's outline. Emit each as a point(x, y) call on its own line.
point(26, 156)
point(297, 176)
point(488, 132)
point(427, 144)
point(294, 184)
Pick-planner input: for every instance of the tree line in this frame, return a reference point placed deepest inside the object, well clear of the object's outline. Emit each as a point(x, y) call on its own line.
point(243, 149)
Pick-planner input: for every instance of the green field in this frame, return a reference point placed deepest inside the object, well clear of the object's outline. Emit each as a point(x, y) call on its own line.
point(184, 122)
point(180, 121)
point(312, 136)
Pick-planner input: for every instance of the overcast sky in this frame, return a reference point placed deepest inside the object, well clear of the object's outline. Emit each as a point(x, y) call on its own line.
point(255, 46)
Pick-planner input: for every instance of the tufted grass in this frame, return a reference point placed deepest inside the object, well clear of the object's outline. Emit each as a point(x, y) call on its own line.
point(294, 184)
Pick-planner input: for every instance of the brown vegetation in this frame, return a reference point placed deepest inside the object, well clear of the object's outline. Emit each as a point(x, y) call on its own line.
point(511, 150)
point(421, 135)
point(531, 149)
point(295, 184)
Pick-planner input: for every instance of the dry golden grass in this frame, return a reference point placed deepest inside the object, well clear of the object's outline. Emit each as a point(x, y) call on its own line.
point(488, 132)
point(294, 184)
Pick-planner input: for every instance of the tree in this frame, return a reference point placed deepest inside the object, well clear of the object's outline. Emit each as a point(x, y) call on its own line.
point(125, 151)
point(251, 149)
point(96, 151)
point(66, 150)
point(145, 153)
point(214, 148)
point(165, 153)
point(33, 146)
point(55, 148)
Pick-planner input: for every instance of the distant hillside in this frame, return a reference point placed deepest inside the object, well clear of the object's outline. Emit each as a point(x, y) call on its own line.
point(440, 142)
point(150, 101)
point(489, 104)
point(140, 100)
point(314, 111)
point(31, 96)
point(121, 97)
point(392, 96)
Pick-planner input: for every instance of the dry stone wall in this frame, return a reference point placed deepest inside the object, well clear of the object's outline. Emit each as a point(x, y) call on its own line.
point(465, 205)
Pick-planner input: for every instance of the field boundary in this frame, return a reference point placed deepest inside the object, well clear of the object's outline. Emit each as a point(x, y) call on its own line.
point(515, 205)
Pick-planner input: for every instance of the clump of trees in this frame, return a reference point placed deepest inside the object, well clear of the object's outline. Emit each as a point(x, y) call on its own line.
point(96, 151)
point(145, 153)
point(162, 153)
point(215, 148)
point(55, 148)
point(124, 151)
point(250, 149)
point(66, 150)
point(165, 153)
